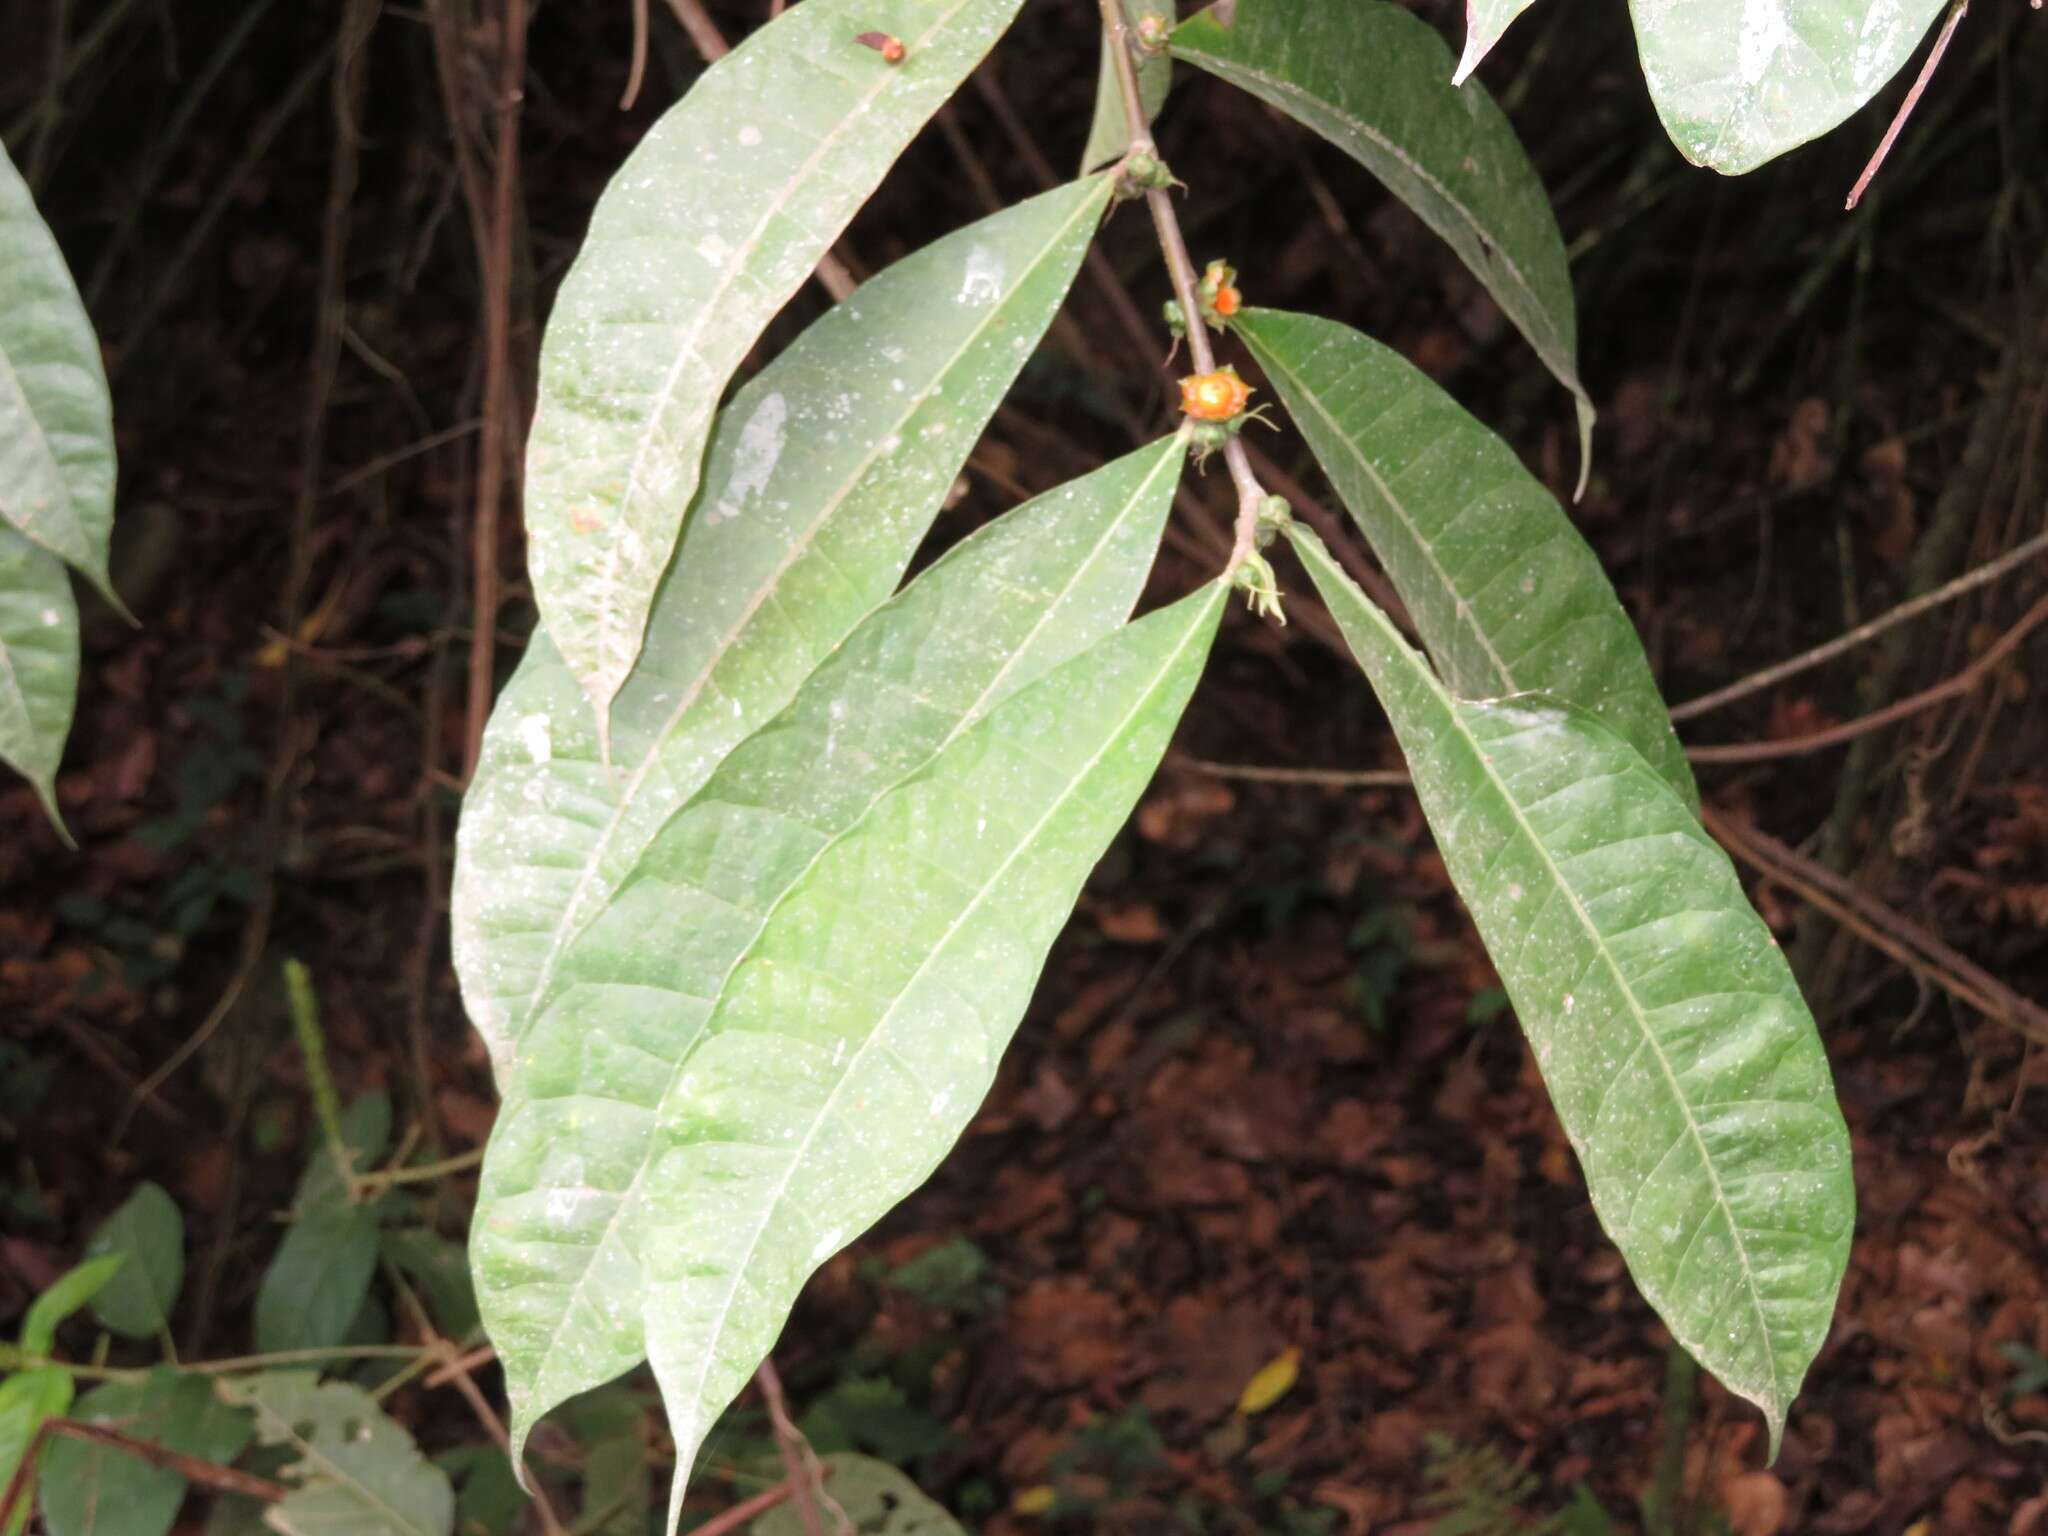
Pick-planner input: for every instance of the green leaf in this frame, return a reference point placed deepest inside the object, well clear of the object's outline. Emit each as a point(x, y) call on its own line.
point(560, 1218)
point(711, 224)
point(822, 479)
point(1485, 21)
point(56, 424)
point(857, 1037)
point(38, 663)
point(1375, 81)
point(878, 1500)
point(70, 1291)
point(1506, 594)
point(1109, 134)
point(356, 1473)
point(147, 1231)
point(1668, 1028)
point(440, 1269)
point(26, 1399)
point(1739, 82)
point(316, 1284)
point(98, 1490)
point(618, 1484)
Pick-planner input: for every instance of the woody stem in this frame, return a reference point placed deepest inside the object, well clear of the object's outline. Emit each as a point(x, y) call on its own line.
point(1180, 268)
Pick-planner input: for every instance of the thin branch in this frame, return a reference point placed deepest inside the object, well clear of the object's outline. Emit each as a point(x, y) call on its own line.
point(748, 1510)
point(636, 71)
point(1969, 581)
point(1880, 926)
point(1319, 778)
point(1956, 12)
point(1181, 268)
point(193, 1469)
point(797, 1463)
point(1819, 741)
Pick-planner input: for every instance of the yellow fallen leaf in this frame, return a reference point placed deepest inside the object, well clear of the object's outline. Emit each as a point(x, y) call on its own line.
point(1033, 1501)
point(1270, 1382)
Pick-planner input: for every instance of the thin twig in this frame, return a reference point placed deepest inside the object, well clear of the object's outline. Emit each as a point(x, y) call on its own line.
point(797, 1463)
point(748, 1510)
point(1956, 12)
point(501, 429)
point(192, 1468)
point(636, 70)
point(1880, 926)
point(370, 1183)
point(1320, 778)
point(1181, 268)
point(1969, 581)
point(1891, 714)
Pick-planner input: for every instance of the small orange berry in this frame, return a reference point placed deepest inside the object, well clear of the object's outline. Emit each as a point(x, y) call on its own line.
point(1228, 301)
point(1218, 396)
point(890, 48)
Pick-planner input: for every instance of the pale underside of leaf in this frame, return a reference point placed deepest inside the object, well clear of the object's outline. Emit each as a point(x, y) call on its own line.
point(1374, 81)
point(1739, 82)
point(56, 422)
point(1485, 22)
point(857, 1038)
point(1109, 132)
point(1506, 594)
point(558, 1219)
point(38, 662)
point(1684, 1066)
point(823, 475)
point(706, 231)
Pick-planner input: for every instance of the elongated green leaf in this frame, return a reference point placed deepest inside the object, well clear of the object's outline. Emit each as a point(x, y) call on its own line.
point(38, 662)
point(708, 228)
point(56, 424)
point(856, 1039)
point(149, 1234)
point(823, 476)
point(357, 1473)
point(1507, 595)
point(26, 1399)
point(97, 1490)
point(1739, 82)
point(70, 1291)
point(1485, 21)
point(1109, 133)
point(1375, 81)
point(316, 1283)
point(560, 1228)
point(878, 1499)
point(1670, 1033)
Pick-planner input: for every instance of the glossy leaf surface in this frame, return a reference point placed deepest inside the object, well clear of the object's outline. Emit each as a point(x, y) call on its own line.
point(1739, 82)
point(1375, 81)
point(38, 662)
point(823, 476)
point(563, 1212)
point(711, 224)
point(1506, 594)
point(56, 423)
point(354, 1471)
point(1672, 1038)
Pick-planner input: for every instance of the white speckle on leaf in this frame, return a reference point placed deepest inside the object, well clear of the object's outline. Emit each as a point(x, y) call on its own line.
point(982, 283)
point(51, 618)
point(750, 136)
point(1570, 1003)
point(1763, 37)
point(536, 737)
point(760, 450)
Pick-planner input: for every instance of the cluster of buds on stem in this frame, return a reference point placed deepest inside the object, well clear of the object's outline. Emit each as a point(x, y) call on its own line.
point(1254, 577)
point(1150, 34)
point(1216, 294)
point(1143, 171)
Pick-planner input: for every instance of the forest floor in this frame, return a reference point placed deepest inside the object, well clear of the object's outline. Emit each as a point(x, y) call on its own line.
point(1268, 1123)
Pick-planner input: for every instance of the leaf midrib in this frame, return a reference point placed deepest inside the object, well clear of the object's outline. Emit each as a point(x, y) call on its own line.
point(968, 718)
point(340, 1475)
point(1635, 1009)
point(1550, 346)
point(13, 389)
point(968, 909)
point(565, 930)
point(711, 310)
